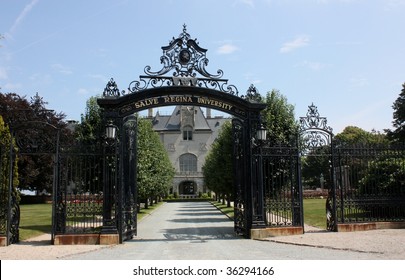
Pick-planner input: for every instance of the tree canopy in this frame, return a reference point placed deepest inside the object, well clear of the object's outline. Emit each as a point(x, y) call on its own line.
point(353, 135)
point(279, 118)
point(218, 166)
point(398, 134)
point(35, 171)
point(154, 170)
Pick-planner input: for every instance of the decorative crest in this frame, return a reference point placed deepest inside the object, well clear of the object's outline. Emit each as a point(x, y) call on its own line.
point(314, 121)
point(252, 94)
point(184, 57)
point(184, 62)
point(111, 89)
point(314, 129)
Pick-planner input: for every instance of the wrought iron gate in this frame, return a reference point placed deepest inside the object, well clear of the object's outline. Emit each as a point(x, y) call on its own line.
point(369, 183)
point(242, 209)
point(127, 201)
point(36, 141)
point(281, 184)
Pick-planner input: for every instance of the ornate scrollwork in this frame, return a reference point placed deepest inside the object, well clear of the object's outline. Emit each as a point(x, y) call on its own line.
point(314, 121)
point(184, 64)
point(111, 89)
point(314, 129)
point(185, 57)
point(252, 94)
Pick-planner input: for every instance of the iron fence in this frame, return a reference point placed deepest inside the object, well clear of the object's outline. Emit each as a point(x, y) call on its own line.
point(282, 188)
point(78, 205)
point(370, 183)
point(4, 193)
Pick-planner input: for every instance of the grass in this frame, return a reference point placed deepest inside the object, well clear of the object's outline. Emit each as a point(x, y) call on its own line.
point(315, 212)
point(36, 219)
point(224, 209)
point(145, 212)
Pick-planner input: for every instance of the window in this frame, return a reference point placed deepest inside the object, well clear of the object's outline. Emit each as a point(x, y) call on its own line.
point(188, 162)
point(188, 133)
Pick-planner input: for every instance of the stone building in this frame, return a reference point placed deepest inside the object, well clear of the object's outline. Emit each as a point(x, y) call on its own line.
point(187, 135)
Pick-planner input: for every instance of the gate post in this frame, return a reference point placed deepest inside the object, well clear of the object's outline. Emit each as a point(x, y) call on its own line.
point(255, 183)
point(110, 184)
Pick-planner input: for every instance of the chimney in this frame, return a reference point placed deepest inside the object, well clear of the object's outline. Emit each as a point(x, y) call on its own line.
point(150, 112)
point(208, 113)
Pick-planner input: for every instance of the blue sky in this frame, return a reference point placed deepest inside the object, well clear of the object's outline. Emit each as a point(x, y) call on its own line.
point(345, 56)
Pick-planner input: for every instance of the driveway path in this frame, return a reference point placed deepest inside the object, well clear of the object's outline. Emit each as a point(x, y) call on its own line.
point(197, 230)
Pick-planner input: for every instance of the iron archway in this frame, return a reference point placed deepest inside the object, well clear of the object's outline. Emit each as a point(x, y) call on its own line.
point(183, 80)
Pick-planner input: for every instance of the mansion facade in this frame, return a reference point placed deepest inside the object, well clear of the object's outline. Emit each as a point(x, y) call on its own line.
point(187, 135)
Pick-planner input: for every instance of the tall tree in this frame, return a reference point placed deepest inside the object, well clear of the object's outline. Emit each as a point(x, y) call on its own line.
point(353, 135)
point(5, 141)
point(217, 169)
point(91, 128)
point(154, 170)
point(35, 170)
point(398, 134)
point(279, 118)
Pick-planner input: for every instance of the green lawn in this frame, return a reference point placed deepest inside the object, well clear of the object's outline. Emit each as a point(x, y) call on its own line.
point(224, 209)
point(36, 219)
point(315, 212)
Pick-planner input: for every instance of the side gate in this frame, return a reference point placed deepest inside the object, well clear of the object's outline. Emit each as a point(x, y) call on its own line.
point(279, 167)
point(316, 151)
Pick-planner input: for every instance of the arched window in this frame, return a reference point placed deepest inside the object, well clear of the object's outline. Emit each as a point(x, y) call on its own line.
point(188, 162)
point(188, 133)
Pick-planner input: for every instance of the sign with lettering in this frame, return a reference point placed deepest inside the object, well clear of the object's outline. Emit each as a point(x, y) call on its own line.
point(170, 100)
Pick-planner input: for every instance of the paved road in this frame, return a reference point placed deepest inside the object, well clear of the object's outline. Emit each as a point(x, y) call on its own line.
point(198, 231)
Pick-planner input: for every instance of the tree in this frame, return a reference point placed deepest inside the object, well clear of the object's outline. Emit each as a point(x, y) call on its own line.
point(36, 171)
point(353, 135)
point(279, 118)
point(218, 166)
point(398, 135)
point(90, 130)
point(5, 141)
point(154, 170)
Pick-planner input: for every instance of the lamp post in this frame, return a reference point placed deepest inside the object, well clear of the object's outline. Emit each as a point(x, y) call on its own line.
point(259, 220)
point(261, 133)
point(109, 227)
point(110, 131)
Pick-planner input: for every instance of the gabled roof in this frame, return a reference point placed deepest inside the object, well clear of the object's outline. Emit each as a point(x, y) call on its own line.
point(173, 122)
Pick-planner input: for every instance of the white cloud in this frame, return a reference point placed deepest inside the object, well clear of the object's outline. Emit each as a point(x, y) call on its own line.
point(12, 87)
point(41, 79)
point(99, 77)
point(3, 74)
point(227, 49)
point(61, 69)
point(252, 78)
point(316, 66)
point(359, 82)
point(22, 15)
point(298, 42)
point(394, 4)
point(249, 3)
point(83, 91)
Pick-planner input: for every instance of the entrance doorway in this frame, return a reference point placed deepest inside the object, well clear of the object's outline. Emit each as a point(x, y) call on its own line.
point(188, 188)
